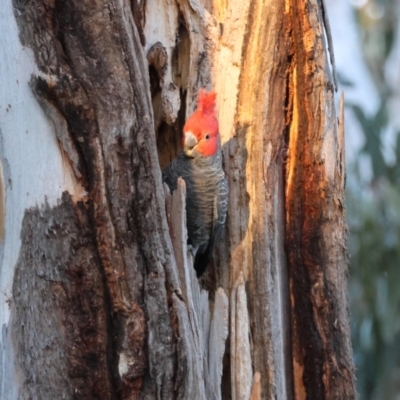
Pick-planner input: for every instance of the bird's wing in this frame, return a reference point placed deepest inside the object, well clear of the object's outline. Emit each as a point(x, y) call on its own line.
point(220, 209)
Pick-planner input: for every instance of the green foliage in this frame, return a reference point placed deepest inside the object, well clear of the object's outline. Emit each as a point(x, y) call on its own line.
point(374, 288)
point(372, 128)
point(373, 211)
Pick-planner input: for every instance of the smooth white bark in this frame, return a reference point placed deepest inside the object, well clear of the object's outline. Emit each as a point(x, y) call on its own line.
point(34, 171)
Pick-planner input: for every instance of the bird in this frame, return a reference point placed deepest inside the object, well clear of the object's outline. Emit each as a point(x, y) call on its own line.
point(199, 163)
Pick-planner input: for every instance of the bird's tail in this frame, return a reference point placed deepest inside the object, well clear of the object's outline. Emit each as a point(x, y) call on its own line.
point(201, 262)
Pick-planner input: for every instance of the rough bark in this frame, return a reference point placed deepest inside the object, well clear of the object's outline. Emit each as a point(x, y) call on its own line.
point(108, 268)
point(315, 220)
point(61, 320)
point(97, 82)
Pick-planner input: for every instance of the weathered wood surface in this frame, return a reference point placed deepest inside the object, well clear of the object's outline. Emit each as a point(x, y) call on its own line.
point(95, 76)
point(254, 162)
point(315, 220)
point(226, 41)
point(241, 365)
point(111, 279)
point(207, 324)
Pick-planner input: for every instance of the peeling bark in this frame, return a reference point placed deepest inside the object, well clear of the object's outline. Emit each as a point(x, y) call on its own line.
point(315, 222)
point(97, 67)
point(61, 321)
point(108, 270)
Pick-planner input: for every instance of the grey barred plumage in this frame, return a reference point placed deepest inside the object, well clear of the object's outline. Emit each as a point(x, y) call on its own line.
point(206, 201)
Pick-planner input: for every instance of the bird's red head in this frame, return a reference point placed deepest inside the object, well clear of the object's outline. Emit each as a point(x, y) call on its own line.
point(201, 133)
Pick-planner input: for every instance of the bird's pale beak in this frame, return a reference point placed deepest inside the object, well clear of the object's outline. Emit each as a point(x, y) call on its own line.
point(189, 143)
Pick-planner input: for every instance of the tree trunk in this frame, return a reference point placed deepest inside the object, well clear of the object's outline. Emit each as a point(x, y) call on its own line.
point(100, 296)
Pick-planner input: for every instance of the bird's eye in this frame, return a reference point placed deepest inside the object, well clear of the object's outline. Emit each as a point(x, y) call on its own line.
point(208, 136)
